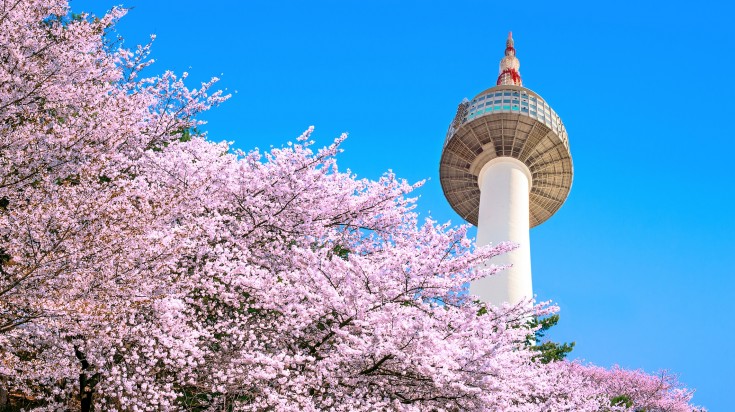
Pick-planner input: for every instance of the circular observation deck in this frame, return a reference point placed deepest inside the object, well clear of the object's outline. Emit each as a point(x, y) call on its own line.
point(507, 121)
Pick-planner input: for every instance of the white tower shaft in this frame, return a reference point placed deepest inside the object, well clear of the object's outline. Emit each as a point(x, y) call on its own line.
point(505, 183)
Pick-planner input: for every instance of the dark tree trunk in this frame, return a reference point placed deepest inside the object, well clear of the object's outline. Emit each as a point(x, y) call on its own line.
point(85, 392)
point(3, 396)
point(86, 384)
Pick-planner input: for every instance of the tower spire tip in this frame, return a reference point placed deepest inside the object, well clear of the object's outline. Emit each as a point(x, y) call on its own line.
point(509, 66)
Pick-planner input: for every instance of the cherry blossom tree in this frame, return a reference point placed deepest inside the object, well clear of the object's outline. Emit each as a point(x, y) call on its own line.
point(78, 249)
point(144, 267)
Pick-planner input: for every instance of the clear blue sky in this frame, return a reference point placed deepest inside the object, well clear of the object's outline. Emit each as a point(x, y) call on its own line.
point(640, 257)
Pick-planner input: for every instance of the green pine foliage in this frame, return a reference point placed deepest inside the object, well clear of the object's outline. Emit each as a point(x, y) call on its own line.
point(548, 351)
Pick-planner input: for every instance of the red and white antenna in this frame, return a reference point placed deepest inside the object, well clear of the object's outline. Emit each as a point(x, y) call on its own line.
point(509, 65)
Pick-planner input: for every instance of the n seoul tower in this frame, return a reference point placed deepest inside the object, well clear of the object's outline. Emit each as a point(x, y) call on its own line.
point(506, 167)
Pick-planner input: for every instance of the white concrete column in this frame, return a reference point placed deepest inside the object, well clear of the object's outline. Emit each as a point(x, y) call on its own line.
point(505, 183)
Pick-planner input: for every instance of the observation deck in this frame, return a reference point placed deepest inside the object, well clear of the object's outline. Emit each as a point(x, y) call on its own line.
point(507, 121)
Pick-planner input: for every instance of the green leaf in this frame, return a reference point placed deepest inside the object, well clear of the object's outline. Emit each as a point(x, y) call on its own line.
point(622, 400)
point(341, 252)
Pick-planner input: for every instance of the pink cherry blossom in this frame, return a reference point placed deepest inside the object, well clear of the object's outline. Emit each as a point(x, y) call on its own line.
point(144, 267)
